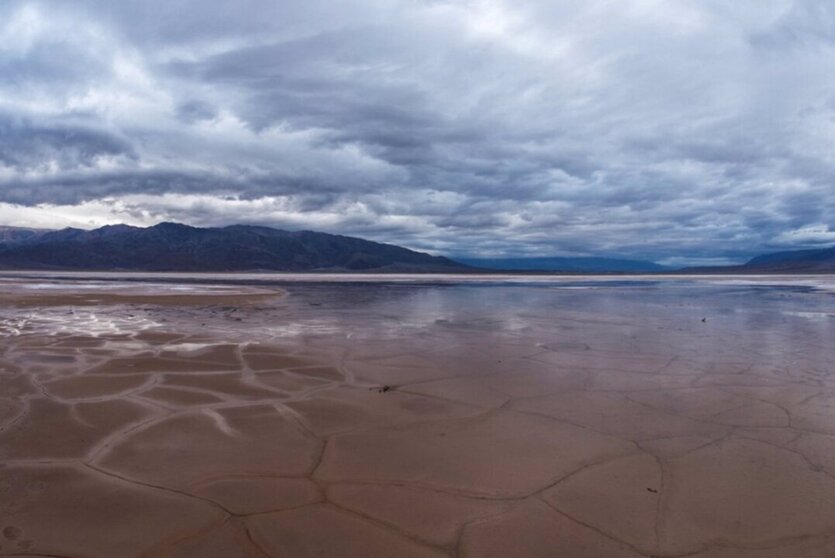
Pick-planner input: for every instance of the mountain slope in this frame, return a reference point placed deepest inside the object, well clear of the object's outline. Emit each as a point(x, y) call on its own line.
point(175, 247)
point(817, 260)
point(14, 235)
point(577, 265)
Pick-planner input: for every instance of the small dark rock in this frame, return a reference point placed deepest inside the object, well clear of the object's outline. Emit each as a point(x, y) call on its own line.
point(12, 533)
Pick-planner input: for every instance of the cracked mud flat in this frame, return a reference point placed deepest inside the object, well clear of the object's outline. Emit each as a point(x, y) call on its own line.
point(554, 418)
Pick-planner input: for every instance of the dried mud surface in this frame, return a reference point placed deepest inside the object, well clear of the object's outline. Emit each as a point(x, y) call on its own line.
point(678, 419)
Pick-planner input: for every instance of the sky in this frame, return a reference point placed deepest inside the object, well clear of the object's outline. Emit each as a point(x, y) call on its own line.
point(682, 131)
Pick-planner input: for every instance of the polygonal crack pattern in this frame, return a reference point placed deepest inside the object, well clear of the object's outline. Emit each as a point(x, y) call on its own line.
point(209, 430)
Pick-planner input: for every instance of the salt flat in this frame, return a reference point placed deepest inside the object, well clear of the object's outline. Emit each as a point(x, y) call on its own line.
point(253, 415)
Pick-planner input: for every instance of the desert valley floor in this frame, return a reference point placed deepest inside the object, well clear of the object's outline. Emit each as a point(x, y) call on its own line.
point(416, 417)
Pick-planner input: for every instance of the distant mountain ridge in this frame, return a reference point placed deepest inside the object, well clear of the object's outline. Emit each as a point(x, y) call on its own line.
point(566, 264)
point(11, 235)
point(819, 259)
point(815, 260)
point(177, 247)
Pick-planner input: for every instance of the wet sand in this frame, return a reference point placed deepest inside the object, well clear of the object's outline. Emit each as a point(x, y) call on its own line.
point(564, 418)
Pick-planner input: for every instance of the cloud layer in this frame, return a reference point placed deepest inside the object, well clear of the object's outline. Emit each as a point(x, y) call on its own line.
point(677, 130)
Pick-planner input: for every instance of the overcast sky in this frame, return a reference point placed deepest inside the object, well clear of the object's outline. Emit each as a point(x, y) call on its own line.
point(685, 131)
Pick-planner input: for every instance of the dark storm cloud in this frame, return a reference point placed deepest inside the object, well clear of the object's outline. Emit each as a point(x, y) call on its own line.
point(804, 22)
point(194, 111)
point(27, 144)
point(660, 129)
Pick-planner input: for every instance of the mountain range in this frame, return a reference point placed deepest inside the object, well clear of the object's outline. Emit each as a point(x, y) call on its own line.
point(817, 260)
point(177, 247)
point(12, 235)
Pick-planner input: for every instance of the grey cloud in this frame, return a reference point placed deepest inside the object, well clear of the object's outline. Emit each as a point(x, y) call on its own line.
point(27, 143)
point(82, 185)
point(41, 65)
point(662, 130)
point(805, 22)
point(195, 110)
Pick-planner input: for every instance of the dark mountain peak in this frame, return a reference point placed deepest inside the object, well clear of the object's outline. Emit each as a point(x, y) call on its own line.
point(116, 228)
point(110, 230)
point(170, 227)
point(61, 234)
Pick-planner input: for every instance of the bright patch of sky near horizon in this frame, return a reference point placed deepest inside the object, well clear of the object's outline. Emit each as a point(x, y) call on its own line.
point(684, 131)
